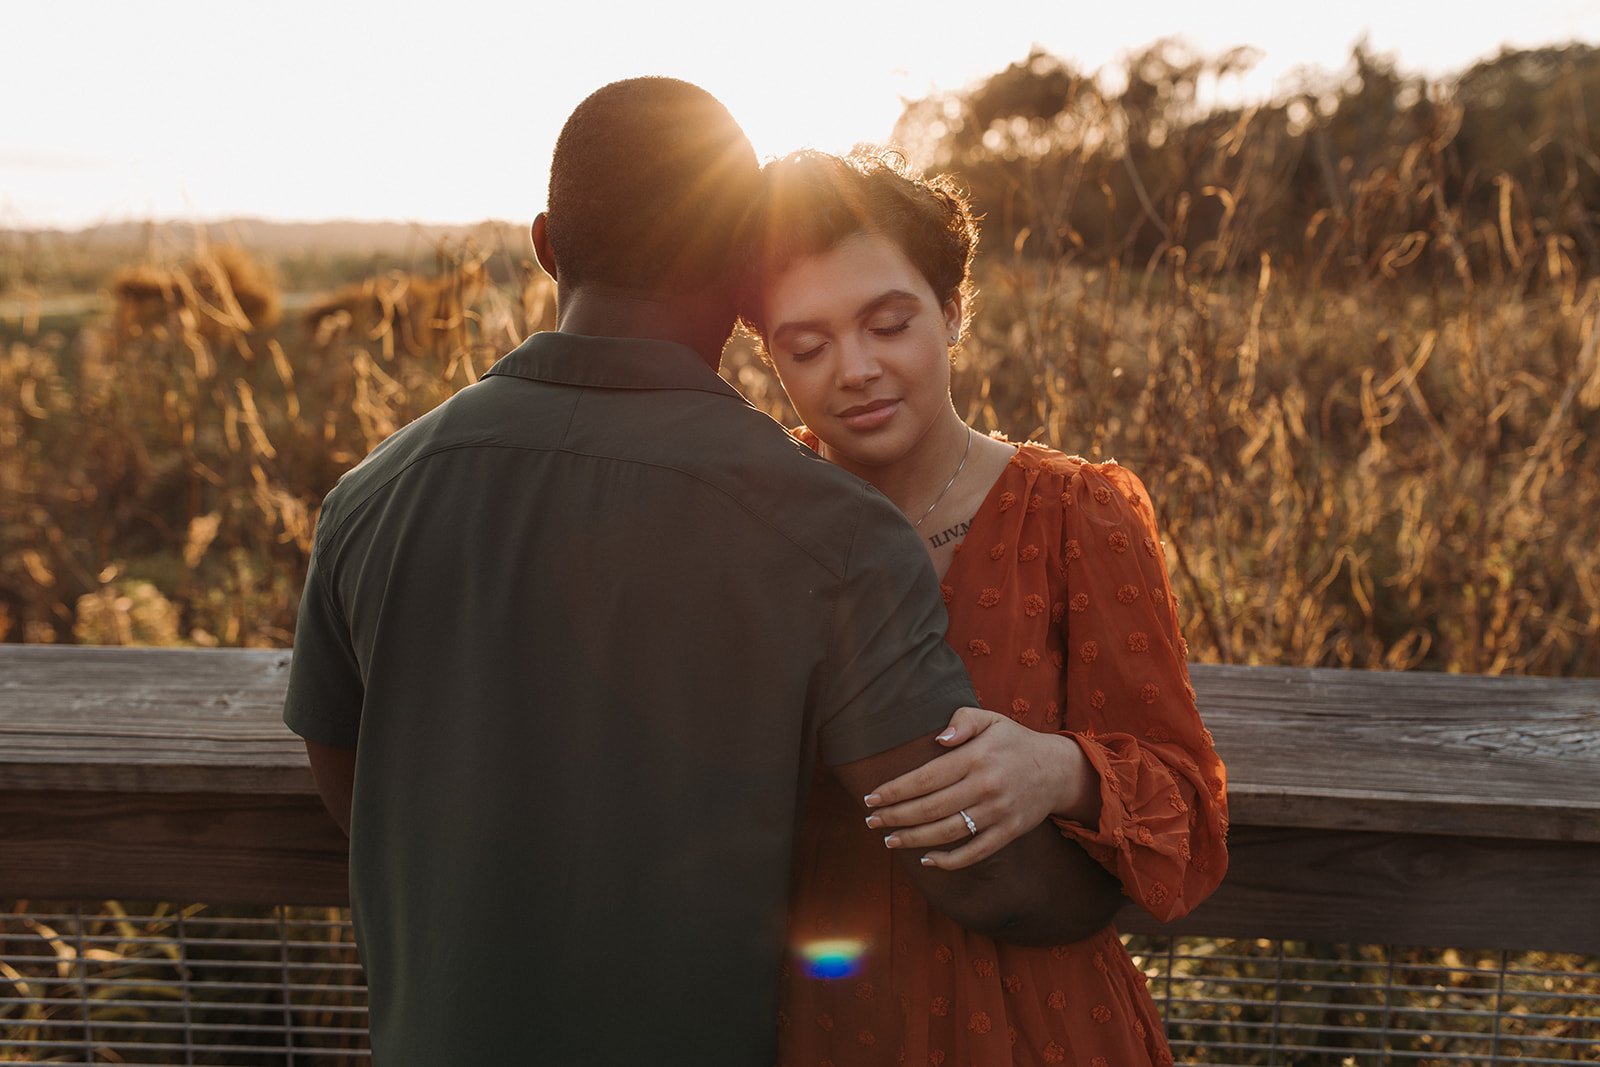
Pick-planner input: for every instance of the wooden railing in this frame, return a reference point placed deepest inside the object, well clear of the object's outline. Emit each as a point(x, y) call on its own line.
point(1383, 808)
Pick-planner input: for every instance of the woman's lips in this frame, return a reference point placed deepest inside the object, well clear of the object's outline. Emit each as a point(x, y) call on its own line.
point(869, 416)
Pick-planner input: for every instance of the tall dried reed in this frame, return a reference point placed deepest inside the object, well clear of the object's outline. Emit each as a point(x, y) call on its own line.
point(162, 469)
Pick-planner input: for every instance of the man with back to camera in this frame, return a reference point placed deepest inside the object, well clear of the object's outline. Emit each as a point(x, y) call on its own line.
point(579, 633)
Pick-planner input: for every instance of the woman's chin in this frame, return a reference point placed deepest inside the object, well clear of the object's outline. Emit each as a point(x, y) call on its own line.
point(865, 450)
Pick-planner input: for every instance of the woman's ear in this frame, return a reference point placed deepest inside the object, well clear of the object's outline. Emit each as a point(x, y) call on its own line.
point(541, 245)
point(952, 317)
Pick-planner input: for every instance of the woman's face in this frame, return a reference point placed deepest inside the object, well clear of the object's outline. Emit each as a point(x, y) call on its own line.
point(861, 344)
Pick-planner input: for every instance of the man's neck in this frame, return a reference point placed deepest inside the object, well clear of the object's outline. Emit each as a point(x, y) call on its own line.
point(688, 321)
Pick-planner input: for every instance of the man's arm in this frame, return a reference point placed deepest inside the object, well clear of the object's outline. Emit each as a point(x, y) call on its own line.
point(1039, 890)
point(891, 667)
point(335, 772)
point(325, 693)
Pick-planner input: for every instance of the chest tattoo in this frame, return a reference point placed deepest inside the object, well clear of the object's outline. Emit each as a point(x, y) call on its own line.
point(951, 533)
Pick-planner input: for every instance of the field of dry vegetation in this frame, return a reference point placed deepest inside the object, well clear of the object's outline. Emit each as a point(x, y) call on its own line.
point(1350, 340)
point(1357, 369)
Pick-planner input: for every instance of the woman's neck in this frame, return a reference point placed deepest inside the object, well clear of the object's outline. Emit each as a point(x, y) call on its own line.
point(919, 478)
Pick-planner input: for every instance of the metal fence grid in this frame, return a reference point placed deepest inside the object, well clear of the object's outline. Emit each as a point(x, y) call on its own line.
point(1290, 1003)
point(122, 983)
point(100, 983)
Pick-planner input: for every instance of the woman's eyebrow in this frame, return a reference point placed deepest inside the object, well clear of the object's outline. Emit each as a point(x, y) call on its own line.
point(796, 327)
point(893, 296)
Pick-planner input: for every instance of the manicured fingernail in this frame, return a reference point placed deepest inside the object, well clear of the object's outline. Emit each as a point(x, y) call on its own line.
point(872, 800)
point(926, 861)
point(891, 841)
point(948, 734)
point(874, 821)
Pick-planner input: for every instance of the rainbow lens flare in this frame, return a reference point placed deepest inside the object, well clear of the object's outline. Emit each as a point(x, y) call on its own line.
point(835, 958)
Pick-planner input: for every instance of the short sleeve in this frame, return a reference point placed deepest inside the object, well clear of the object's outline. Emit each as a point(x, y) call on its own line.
point(890, 677)
point(325, 683)
point(1129, 704)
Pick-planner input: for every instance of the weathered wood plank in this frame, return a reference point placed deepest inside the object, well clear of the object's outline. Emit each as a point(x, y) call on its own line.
point(1326, 749)
point(209, 847)
point(1370, 888)
point(1400, 889)
point(162, 720)
point(1408, 752)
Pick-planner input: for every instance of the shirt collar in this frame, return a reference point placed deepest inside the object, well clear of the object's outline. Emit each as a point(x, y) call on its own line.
point(611, 363)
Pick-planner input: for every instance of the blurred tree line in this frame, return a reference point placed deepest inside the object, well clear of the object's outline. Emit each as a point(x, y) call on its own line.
point(1371, 173)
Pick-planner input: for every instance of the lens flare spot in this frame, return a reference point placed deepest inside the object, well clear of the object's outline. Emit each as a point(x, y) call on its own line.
point(833, 958)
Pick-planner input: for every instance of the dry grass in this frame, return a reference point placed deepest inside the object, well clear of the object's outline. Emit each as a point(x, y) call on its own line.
point(161, 470)
point(401, 311)
point(217, 291)
point(1391, 470)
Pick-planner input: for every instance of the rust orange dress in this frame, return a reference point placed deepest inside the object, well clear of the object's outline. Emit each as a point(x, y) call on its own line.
point(1060, 606)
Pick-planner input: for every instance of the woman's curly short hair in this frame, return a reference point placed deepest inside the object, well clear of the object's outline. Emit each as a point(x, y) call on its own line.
point(811, 201)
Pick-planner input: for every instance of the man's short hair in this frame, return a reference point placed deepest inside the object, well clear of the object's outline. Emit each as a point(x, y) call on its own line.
point(650, 182)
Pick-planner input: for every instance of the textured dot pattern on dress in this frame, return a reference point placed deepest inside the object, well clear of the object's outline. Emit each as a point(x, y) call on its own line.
point(1063, 615)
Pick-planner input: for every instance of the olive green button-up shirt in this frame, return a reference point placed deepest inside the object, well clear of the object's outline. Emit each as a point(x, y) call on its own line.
point(588, 624)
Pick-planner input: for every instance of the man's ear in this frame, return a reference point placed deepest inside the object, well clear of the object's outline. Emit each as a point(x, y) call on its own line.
point(541, 245)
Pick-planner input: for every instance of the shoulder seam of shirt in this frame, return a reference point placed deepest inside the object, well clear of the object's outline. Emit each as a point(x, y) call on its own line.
point(733, 497)
point(333, 601)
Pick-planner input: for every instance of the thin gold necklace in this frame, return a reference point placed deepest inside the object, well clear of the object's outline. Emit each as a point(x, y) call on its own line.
point(964, 453)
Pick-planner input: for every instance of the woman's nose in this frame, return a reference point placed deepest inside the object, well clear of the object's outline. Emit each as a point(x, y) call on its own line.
point(857, 367)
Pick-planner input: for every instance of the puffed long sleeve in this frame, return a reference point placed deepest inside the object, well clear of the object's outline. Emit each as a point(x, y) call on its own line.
point(1128, 702)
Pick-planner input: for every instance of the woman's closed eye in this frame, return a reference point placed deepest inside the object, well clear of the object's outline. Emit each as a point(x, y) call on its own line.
point(892, 328)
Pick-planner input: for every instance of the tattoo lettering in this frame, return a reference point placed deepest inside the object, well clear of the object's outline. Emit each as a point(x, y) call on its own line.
point(945, 536)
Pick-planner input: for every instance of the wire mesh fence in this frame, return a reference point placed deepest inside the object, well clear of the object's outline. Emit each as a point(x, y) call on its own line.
point(105, 982)
point(168, 984)
point(1284, 1002)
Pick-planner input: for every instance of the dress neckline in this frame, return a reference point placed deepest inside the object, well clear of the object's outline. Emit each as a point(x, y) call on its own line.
point(984, 508)
point(1023, 457)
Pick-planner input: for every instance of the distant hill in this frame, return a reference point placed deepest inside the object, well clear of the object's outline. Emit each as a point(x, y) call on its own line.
point(305, 255)
point(268, 237)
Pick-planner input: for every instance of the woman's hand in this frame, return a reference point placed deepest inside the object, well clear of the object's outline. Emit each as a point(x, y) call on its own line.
point(1006, 778)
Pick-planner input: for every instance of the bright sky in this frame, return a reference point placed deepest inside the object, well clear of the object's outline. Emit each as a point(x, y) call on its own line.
point(446, 112)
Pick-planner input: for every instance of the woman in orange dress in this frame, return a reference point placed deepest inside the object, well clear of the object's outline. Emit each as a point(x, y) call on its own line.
point(1059, 602)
